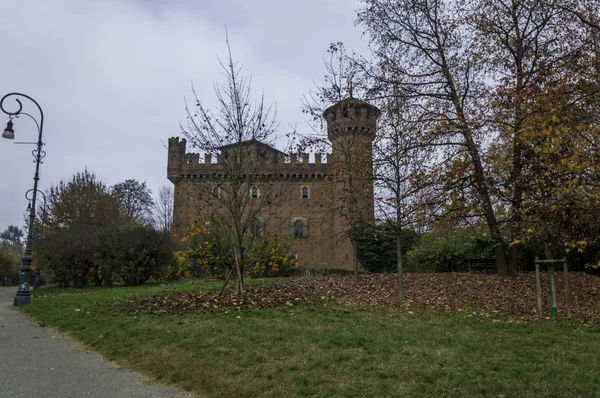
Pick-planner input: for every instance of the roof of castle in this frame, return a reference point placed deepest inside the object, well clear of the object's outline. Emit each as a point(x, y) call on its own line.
point(252, 142)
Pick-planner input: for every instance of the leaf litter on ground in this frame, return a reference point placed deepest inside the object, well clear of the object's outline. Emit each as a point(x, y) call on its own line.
point(481, 294)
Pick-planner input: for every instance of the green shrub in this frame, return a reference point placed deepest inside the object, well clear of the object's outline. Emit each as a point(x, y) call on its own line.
point(9, 267)
point(69, 254)
point(445, 250)
point(131, 254)
point(139, 253)
point(377, 247)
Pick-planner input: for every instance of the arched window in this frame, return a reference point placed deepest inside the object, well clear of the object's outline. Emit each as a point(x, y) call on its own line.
point(305, 192)
point(299, 228)
point(216, 193)
point(254, 192)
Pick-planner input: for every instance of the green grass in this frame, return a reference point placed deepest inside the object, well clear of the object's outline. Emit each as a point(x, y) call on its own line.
point(329, 350)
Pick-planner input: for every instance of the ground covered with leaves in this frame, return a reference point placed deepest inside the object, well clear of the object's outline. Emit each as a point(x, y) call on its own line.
point(442, 292)
point(307, 345)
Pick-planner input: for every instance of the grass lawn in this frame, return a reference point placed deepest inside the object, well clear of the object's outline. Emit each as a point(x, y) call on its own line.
point(327, 350)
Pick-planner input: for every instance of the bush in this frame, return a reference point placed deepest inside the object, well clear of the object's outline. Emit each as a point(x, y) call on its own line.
point(9, 267)
point(69, 255)
point(445, 250)
point(210, 252)
point(140, 253)
point(132, 254)
point(377, 247)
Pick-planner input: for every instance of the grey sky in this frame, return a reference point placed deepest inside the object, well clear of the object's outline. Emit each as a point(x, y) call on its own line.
point(111, 76)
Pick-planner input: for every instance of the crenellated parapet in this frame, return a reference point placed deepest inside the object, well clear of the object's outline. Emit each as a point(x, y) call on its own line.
point(276, 165)
point(351, 116)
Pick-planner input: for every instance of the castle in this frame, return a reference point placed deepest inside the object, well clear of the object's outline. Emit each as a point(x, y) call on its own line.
point(314, 202)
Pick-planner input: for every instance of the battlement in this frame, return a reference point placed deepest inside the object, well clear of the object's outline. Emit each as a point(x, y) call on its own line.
point(194, 160)
point(351, 116)
point(274, 163)
point(176, 145)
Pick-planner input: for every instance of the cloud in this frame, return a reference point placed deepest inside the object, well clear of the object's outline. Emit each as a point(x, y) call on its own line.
point(111, 77)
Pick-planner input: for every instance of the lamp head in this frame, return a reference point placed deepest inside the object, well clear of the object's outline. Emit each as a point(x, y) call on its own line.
point(8, 131)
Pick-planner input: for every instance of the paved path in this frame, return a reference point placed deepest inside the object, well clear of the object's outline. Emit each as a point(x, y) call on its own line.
point(33, 363)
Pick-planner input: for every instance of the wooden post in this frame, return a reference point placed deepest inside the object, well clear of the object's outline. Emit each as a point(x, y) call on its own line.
point(538, 287)
point(567, 292)
point(554, 310)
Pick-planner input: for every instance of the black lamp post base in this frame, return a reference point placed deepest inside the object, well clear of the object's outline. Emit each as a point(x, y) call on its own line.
point(22, 298)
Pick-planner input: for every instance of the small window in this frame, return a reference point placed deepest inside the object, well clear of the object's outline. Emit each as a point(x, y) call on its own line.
point(345, 110)
point(255, 192)
point(305, 192)
point(216, 193)
point(299, 228)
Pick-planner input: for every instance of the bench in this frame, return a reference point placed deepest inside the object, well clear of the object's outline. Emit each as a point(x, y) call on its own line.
point(481, 263)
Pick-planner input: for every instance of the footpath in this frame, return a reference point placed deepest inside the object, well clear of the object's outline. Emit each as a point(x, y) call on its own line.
point(34, 362)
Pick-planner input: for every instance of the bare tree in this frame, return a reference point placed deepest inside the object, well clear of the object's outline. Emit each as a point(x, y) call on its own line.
point(237, 194)
point(162, 209)
point(405, 192)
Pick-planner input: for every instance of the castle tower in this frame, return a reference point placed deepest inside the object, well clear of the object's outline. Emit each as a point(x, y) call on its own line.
point(351, 128)
point(175, 167)
point(176, 158)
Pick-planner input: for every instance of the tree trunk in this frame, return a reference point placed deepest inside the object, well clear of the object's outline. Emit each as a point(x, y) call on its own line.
point(479, 172)
point(355, 250)
point(226, 280)
point(399, 260)
point(517, 171)
point(239, 285)
point(513, 258)
point(488, 209)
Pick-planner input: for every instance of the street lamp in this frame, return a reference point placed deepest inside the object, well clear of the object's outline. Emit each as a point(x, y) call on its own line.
point(38, 274)
point(24, 294)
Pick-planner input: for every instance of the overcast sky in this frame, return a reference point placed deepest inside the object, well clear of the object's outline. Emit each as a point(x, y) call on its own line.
point(111, 77)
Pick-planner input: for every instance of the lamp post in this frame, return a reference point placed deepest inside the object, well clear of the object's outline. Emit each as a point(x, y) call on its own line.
point(38, 274)
point(24, 294)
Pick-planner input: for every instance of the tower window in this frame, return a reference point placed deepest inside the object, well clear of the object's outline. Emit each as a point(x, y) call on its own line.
point(345, 110)
point(255, 192)
point(305, 192)
point(299, 228)
point(216, 193)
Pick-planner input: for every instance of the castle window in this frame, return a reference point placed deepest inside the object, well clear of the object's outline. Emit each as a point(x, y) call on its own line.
point(255, 192)
point(299, 228)
point(345, 110)
point(216, 193)
point(257, 227)
point(305, 192)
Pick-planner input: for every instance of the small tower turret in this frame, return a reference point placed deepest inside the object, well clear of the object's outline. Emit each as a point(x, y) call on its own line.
point(175, 159)
point(351, 117)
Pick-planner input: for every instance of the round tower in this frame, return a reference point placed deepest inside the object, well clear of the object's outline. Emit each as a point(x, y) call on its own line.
point(351, 128)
